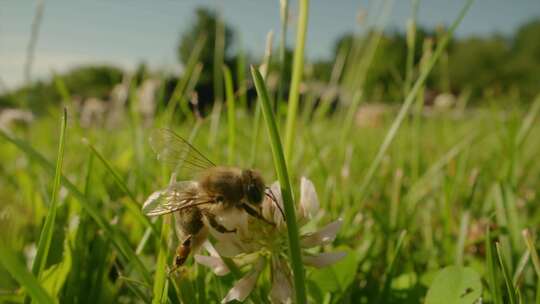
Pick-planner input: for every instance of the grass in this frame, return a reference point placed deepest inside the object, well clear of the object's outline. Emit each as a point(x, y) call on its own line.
point(512, 295)
point(160, 278)
point(180, 88)
point(297, 72)
point(410, 98)
point(12, 263)
point(46, 235)
point(417, 204)
point(286, 186)
point(452, 188)
point(231, 112)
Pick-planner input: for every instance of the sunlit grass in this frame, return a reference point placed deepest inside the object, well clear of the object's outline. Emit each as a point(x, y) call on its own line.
point(456, 188)
point(286, 186)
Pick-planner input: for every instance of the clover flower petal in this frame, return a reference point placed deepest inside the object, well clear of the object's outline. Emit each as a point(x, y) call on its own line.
point(245, 285)
point(216, 264)
point(282, 290)
point(323, 236)
point(228, 245)
point(309, 202)
point(213, 261)
point(270, 211)
point(323, 259)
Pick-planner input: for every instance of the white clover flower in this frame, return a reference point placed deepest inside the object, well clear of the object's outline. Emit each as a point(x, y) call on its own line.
point(257, 244)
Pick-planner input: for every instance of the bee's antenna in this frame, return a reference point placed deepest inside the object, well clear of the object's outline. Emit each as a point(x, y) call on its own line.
point(271, 196)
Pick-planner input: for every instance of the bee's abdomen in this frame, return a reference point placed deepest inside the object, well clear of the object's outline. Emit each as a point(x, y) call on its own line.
point(191, 221)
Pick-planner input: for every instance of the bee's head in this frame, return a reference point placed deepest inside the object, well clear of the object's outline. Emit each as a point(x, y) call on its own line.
point(253, 186)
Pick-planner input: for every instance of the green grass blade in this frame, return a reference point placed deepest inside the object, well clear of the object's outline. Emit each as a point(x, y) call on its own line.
point(501, 214)
point(491, 266)
point(219, 48)
point(119, 240)
point(134, 287)
point(134, 207)
point(330, 93)
point(286, 190)
point(17, 269)
point(513, 216)
point(462, 238)
point(298, 70)
point(160, 277)
point(362, 53)
point(349, 117)
point(529, 241)
point(411, 43)
point(231, 114)
point(257, 118)
point(537, 301)
point(408, 101)
point(421, 185)
point(180, 88)
point(389, 272)
point(48, 228)
point(255, 134)
point(528, 122)
point(215, 121)
point(185, 98)
point(518, 273)
point(512, 294)
point(356, 77)
point(143, 241)
point(284, 17)
point(61, 88)
point(241, 77)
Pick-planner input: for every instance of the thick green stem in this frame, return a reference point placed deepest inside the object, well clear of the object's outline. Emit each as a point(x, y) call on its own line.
point(286, 189)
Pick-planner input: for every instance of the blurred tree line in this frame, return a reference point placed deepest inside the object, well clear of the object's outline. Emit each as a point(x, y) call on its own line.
point(481, 65)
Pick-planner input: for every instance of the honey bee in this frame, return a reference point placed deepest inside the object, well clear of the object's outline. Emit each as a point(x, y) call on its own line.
point(198, 202)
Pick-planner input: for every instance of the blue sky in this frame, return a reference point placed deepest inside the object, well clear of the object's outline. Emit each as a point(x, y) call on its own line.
point(126, 32)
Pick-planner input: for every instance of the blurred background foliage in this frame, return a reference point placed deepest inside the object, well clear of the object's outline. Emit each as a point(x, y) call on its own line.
point(417, 191)
point(482, 66)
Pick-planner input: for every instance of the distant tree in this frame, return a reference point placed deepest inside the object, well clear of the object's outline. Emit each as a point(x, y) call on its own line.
point(322, 70)
point(523, 68)
point(344, 42)
point(204, 24)
point(85, 81)
point(92, 81)
point(478, 63)
point(527, 40)
point(385, 69)
point(275, 65)
point(141, 73)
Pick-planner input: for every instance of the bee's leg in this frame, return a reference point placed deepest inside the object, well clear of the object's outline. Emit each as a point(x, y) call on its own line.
point(251, 211)
point(214, 223)
point(182, 253)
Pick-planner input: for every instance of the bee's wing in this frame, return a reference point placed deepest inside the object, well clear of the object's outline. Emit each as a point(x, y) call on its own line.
point(177, 196)
point(177, 152)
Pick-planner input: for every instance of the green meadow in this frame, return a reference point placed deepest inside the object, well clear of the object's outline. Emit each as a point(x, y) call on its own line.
point(439, 204)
